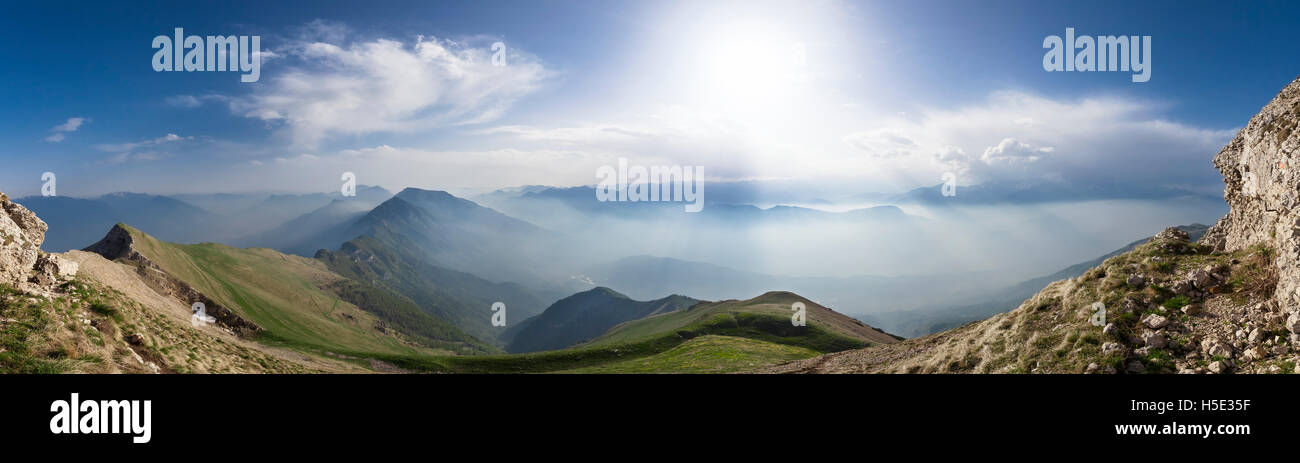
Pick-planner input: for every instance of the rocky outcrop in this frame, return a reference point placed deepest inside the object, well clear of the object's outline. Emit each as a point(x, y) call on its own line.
point(1260, 169)
point(22, 263)
point(119, 245)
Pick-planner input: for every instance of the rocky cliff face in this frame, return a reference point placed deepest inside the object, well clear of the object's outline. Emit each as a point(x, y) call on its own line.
point(1260, 169)
point(22, 263)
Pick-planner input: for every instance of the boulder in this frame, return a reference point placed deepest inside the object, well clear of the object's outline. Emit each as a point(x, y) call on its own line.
point(1293, 323)
point(1135, 367)
point(1113, 348)
point(1154, 339)
point(1184, 288)
point(1155, 322)
point(1256, 336)
point(21, 235)
point(1201, 278)
point(50, 269)
point(1217, 367)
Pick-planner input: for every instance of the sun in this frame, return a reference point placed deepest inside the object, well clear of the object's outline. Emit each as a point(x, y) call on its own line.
point(750, 61)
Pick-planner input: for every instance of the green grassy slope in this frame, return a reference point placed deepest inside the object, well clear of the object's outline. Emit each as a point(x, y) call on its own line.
point(295, 300)
point(772, 310)
point(764, 320)
point(707, 354)
point(586, 315)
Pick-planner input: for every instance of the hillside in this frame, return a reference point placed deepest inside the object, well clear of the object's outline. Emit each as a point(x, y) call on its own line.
point(767, 316)
point(297, 236)
point(586, 315)
point(1227, 304)
point(462, 299)
point(437, 228)
point(64, 313)
point(304, 306)
point(920, 322)
point(709, 337)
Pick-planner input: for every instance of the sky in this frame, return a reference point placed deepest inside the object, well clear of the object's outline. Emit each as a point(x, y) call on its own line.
point(873, 96)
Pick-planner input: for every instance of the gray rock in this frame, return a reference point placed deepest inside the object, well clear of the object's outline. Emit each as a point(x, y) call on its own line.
point(1217, 367)
point(1252, 354)
point(1154, 339)
point(1173, 234)
point(1200, 278)
point(1155, 322)
point(1113, 348)
point(1135, 367)
point(1220, 350)
point(1184, 288)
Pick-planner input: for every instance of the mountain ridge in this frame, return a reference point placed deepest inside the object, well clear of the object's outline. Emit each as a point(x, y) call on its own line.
point(585, 315)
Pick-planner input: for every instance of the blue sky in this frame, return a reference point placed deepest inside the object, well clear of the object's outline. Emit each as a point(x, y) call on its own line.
point(881, 96)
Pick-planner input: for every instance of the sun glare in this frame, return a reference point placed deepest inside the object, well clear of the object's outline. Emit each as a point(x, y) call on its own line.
point(750, 61)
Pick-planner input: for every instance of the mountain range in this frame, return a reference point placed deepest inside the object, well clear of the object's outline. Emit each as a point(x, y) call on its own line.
point(412, 284)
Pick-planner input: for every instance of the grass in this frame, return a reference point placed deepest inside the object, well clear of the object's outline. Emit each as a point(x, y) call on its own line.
point(707, 354)
point(18, 337)
point(282, 294)
point(105, 310)
point(764, 328)
point(1176, 302)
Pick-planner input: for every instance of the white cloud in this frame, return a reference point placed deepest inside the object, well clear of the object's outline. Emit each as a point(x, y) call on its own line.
point(1016, 136)
point(71, 125)
point(191, 101)
point(882, 144)
point(400, 167)
point(387, 86)
point(144, 150)
point(1012, 150)
point(675, 135)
